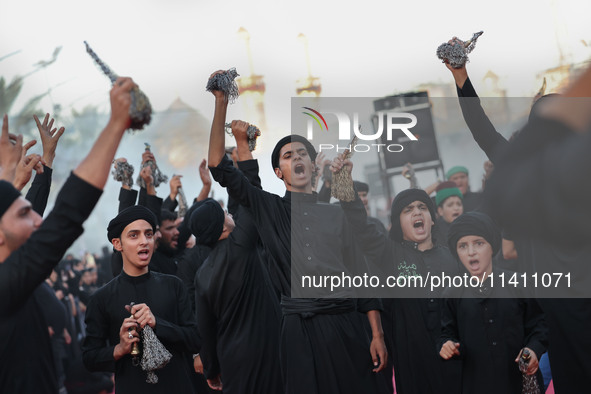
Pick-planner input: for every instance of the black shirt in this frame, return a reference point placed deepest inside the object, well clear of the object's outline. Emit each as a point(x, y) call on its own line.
point(26, 363)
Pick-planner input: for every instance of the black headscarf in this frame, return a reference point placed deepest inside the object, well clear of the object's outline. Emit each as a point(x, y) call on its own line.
point(127, 216)
point(403, 199)
point(8, 194)
point(288, 139)
point(207, 222)
point(473, 223)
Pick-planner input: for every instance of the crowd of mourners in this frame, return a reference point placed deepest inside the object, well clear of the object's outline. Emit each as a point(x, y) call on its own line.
point(203, 296)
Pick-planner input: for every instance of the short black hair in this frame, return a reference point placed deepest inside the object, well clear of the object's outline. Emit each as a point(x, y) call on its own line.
point(165, 214)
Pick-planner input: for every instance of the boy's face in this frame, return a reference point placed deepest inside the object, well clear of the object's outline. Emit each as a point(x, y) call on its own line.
point(462, 181)
point(476, 254)
point(295, 167)
point(136, 244)
point(416, 222)
point(451, 208)
point(364, 199)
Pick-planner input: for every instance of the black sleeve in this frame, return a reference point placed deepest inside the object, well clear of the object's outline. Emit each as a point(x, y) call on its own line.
point(126, 198)
point(483, 131)
point(238, 186)
point(39, 191)
point(169, 205)
point(449, 324)
point(154, 204)
point(250, 169)
point(30, 264)
point(536, 330)
point(97, 352)
point(367, 235)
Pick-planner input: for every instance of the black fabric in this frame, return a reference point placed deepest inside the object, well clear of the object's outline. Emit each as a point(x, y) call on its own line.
point(403, 199)
point(361, 186)
point(128, 216)
point(287, 140)
point(169, 204)
point(486, 136)
point(22, 272)
point(250, 169)
point(546, 197)
point(192, 260)
point(175, 328)
point(473, 223)
point(473, 201)
point(238, 316)
point(207, 223)
point(188, 266)
point(327, 353)
point(164, 260)
point(491, 332)
point(127, 198)
point(8, 194)
point(38, 193)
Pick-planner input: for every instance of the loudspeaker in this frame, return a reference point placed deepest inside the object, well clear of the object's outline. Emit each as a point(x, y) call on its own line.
point(414, 152)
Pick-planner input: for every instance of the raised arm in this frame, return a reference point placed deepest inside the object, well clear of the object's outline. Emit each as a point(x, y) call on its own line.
point(11, 147)
point(205, 180)
point(483, 131)
point(369, 238)
point(26, 267)
point(217, 137)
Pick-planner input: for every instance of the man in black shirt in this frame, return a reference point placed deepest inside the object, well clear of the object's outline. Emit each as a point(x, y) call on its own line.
point(323, 345)
point(31, 247)
point(161, 302)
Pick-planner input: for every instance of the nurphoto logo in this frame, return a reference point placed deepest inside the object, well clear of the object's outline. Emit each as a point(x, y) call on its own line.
point(384, 121)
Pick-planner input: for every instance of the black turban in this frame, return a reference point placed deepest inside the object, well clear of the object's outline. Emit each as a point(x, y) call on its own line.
point(8, 194)
point(207, 223)
point(473, 223)
point(361, 186)
point(288, 139)
point(402, 199)
point(127, 216)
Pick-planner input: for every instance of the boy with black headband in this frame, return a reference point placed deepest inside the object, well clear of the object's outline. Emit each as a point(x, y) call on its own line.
point(485, 326)
point(323, 349)
point(161, 302)
point(408, 251)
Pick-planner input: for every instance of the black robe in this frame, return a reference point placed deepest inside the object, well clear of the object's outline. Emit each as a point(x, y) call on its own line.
point(324, 348)
point(491, 332)
point(414, 323)
point(26, 361)
point(192, 259)
point(238, 315)
point(175, 328)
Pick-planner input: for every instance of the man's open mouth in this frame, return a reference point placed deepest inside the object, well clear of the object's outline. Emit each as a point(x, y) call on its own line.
point(300, 169)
